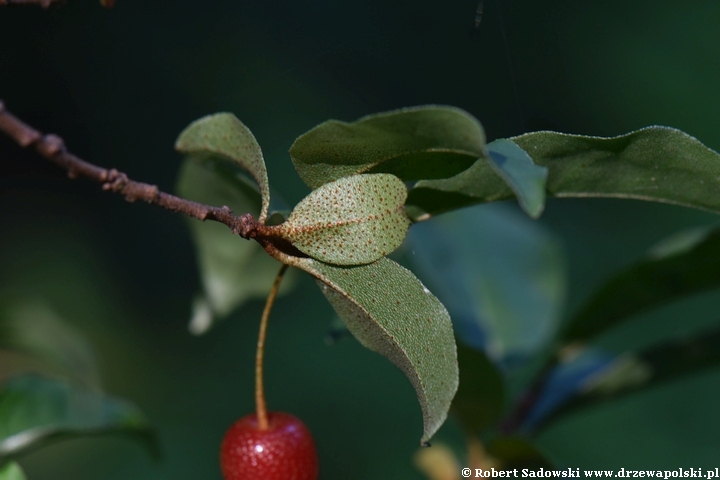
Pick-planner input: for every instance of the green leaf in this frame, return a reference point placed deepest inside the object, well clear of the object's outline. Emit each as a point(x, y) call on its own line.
point(12, 471)
point(654, 163)
point(351, 221)
point(478, 184)
point(659, 164)
point(682, 265)
point(232, 270)
point(480, 399)
point(525, 178)
point(634, 372)
point(500, 274)
point(35, 412)
point(391, 312)
point(223, 138)
point(31, 327)
point(411, 143)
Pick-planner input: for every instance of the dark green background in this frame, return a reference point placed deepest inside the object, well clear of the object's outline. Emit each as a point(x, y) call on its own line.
point(120, 84)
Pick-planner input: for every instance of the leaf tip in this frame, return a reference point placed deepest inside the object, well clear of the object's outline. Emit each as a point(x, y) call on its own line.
point(533, 211)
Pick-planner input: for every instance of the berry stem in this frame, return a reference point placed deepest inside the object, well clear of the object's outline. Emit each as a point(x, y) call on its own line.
point(260, 405)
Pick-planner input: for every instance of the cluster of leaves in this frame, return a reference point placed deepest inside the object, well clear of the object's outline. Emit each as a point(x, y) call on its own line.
point(375, 180)
point(373, 177)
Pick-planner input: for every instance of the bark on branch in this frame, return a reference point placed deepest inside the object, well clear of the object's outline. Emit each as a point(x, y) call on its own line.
point(53, 148)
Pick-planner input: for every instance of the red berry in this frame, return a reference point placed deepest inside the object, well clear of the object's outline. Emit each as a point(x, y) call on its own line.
point(284, 451)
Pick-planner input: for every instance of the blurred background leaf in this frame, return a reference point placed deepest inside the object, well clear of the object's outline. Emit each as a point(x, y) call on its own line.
point(438, 462)
point(687, 263)
point(612, 377)
point(31, 327)
point(501, 276)
point(233, 270)
point(683, 264)
point(480, 400)
point(565, 381)
point(517, 452)
point(12, 471)
point(35, 412)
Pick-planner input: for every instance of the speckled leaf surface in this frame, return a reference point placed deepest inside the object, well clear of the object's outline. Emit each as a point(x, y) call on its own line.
point(412, 143)
point(659, 164)
point(351, 221)
point(232, 269)
point(391, 312)
point(36, 411)
point(223, 137)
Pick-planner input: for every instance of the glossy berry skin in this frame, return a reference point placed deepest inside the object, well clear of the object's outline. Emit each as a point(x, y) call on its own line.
point(285, 451)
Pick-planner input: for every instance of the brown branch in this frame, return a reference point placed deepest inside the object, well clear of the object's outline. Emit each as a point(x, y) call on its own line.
point(42, 3)
point(53, 148)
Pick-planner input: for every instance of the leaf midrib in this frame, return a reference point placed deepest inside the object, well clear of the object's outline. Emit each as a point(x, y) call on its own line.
point(339, 224)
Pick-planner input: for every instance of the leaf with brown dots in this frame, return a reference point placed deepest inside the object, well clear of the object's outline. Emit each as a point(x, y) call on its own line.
point(391, 312)
point(225, 141)
point(351, 221)
point(416, 143)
